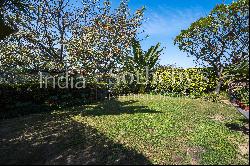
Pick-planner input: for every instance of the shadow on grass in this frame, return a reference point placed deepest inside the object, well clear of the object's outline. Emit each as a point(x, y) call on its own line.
point(21, 108)
point(102, 107)
point(56, 139)
point(115, 107)
point(242, 128)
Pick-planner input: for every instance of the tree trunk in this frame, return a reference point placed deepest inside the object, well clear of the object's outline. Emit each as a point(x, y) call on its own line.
point(218, 88)
point(220, 82)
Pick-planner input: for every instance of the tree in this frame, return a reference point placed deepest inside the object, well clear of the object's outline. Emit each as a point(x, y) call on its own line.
point(105, 43)
point(218, 39)
point(61, 36)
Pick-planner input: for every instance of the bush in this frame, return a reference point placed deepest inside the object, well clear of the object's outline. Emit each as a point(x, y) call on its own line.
point(242, 94)
point(23, 99)
point(192, 81)
point(214, 97)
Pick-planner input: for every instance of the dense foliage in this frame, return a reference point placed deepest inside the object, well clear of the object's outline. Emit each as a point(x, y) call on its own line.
point(144, 59)
point(61, 35)
point(141, 66)
point(184, 81)
point(23, 99)
point(7, 8)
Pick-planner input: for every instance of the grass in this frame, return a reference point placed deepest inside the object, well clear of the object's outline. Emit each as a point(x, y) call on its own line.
point(129, 130)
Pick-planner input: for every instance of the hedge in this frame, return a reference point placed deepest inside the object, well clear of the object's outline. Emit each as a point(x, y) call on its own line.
point(22, 99)
point(184, 81)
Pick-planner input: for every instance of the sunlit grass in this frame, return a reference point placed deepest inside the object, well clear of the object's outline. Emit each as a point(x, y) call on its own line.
point(129, 130)
point(172, 130)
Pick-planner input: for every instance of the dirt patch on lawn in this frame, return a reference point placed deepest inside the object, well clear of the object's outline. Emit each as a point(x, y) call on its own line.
point(244, 149)
point(218, 118)
point(195, 154)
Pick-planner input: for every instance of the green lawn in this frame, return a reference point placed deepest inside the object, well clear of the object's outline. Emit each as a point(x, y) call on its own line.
point(129, 130)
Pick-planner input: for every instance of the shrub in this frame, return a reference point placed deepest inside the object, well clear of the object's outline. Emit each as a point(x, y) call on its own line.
point(22, 99)
point(194, 81)
point(242, 94)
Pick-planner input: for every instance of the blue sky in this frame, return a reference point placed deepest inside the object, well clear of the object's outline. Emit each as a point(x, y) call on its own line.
point(165, 20)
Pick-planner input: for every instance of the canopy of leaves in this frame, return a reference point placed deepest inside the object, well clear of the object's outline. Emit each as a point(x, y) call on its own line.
point(219, 38)
point(7, 24)
point(59, 35)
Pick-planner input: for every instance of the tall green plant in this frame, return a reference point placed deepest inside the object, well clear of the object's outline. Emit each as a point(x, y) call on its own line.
point(142, 64)
point(145, 59)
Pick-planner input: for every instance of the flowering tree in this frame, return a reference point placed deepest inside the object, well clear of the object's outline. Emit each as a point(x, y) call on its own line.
point(105, 42)
point(60, 36)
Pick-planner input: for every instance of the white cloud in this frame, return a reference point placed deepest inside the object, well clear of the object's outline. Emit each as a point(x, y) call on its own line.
point(170, 21)
point(163, 25)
